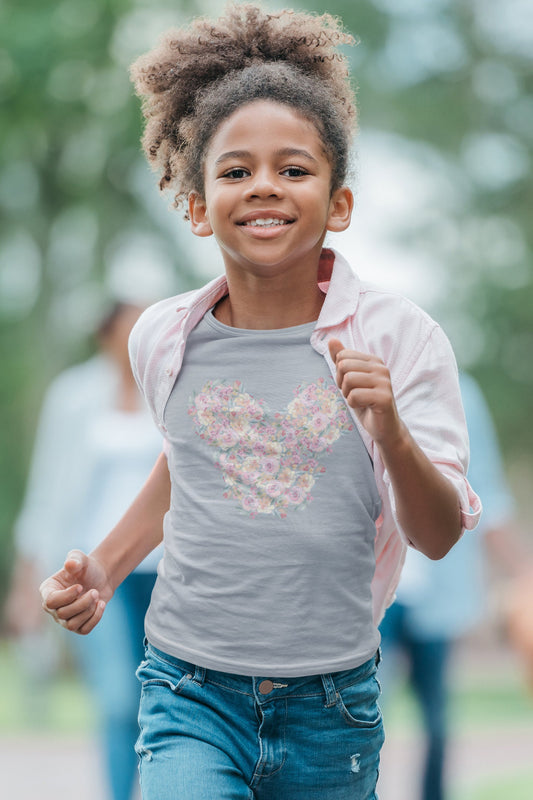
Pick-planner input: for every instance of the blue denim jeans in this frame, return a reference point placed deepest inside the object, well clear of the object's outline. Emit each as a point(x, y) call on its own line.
point(206, 734)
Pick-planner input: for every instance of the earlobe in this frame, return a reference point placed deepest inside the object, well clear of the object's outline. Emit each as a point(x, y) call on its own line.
point(199, 220)
point(341, 208)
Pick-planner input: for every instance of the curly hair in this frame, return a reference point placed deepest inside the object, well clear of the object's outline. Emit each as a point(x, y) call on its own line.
point(199, 75)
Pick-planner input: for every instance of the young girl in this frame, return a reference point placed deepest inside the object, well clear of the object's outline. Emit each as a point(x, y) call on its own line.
point(313, 428)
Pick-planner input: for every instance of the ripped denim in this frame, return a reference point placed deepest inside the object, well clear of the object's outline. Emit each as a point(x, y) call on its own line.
point(207, 735)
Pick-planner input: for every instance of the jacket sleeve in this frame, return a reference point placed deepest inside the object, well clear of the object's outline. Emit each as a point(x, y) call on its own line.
point(429, 402)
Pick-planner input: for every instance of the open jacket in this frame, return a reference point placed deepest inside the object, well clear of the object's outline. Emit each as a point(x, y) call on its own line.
point(365, 318)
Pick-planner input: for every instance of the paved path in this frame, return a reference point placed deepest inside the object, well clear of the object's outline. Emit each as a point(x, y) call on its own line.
point(473, 759)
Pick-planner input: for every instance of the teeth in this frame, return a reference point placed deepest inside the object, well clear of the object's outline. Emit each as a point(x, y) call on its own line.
point(266, 223)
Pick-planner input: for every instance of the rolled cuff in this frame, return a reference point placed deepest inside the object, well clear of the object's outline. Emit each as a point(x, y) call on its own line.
point(469, 502)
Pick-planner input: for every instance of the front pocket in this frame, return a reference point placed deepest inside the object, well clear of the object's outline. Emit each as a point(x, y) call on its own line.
point(154, 671)
point(359, 705)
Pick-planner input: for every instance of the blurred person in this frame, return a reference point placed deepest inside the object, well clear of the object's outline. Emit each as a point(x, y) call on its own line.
point(94, 448)
point(438, 603)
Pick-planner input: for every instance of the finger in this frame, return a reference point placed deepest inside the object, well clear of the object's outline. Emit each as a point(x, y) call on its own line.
point(335, 346)
point(76, 622)
point(84, 604)
point(76, 562)
point(367, 398)
point(54, 598)
point(91, 623)
point(357, 380)
point(339, 352)
point(360, 366)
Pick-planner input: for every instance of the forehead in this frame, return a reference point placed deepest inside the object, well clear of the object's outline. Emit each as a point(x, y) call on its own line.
point(263, 122)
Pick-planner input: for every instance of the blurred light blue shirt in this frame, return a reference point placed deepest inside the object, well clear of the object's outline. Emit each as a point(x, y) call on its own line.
point(89, 461)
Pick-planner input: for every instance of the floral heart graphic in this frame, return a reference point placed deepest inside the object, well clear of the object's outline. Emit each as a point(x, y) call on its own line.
point(269, 460)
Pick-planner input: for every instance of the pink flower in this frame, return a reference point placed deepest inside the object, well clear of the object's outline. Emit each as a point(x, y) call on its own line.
point(227, 438)
point(274, 488)
point(319, 422)
point(296, 495)
point(270, 465)
point(249, 502)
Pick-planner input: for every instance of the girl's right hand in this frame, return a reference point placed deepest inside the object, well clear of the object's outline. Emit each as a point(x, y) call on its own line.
point(76, 595)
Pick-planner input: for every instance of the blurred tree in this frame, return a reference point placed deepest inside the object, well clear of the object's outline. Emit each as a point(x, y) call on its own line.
point(452, 81)
point(449, 81)
point(71, 215)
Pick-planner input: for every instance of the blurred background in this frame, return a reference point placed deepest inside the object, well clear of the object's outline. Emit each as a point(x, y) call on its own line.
point(444, 198)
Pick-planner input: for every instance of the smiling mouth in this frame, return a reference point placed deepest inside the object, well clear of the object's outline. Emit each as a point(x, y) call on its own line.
point(267, 222)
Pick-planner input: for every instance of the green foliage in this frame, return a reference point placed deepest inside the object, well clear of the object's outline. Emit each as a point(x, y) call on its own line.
point(69, 148)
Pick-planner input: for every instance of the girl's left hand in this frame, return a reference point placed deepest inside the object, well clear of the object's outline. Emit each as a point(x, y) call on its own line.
point(365, 382)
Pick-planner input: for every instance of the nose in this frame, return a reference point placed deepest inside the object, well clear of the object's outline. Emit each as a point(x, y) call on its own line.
point(265, 183)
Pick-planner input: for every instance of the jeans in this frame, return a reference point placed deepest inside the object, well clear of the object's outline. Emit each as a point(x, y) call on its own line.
point(206, 734)
point(108, 658)
point(428, 661)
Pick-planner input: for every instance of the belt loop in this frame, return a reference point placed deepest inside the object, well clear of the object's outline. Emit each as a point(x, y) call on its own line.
point(199, 675)
point(329, 689)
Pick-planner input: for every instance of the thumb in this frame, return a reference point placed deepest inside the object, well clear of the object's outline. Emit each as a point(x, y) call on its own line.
point(75, 562)
point(335, 347)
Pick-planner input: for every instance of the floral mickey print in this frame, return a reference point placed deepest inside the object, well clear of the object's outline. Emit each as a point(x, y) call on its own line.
point(269, 461)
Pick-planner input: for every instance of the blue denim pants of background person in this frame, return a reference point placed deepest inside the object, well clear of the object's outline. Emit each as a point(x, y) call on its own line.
point(108, 658)
point(206, 734)
point(427, 665)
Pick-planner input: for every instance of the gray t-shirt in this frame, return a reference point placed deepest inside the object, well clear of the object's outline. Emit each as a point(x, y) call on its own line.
point(269, 540)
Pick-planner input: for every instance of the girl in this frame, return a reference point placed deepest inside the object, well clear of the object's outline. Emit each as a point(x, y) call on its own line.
point(286, 504)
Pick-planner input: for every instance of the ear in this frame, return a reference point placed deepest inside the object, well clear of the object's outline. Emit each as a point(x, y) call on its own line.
point(340, 210)
point(199, 220)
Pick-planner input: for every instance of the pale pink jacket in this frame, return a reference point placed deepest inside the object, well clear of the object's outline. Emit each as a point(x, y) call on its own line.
point(414, 348)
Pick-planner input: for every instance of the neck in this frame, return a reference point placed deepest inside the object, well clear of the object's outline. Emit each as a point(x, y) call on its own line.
point(269, 304)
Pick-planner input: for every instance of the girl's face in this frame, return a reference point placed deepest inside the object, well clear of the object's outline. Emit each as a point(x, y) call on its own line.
point(267, 199)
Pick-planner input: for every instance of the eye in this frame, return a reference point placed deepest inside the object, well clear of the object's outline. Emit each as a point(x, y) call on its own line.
point(236, 173)
point(294, 172)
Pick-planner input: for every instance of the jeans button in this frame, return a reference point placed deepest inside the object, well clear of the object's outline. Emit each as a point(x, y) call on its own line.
point(265, 687)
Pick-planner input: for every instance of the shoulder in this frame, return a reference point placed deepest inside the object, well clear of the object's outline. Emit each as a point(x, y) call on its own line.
point(166, 316)
point(400, 310)
point(398, 330)
point(157, 339)
point(161, 314)
point(157, 321)
point(379, 312)
point(382, 322)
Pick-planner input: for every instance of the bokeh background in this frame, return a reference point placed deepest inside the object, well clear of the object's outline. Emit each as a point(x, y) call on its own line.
point(444, 189)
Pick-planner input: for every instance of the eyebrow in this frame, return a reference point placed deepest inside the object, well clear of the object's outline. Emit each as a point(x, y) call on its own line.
point(285, 151)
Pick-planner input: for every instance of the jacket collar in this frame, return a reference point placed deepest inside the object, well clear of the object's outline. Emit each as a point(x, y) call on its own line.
point(336, 279)
point(341, 286)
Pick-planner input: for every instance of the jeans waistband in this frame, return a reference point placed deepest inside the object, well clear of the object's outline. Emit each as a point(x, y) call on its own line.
point(305, 686)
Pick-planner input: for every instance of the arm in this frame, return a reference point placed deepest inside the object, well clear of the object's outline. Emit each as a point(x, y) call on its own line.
point(426, 502)
point(77, 594)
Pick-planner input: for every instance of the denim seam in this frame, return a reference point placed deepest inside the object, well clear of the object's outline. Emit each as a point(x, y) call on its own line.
point(262, 775)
